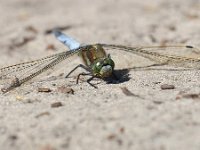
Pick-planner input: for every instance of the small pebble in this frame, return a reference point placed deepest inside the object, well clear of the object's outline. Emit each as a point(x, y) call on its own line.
point(13, 137)
point(167, 87)
point(31, 29)
point(46, 113)
point(188, 96)
point(44, 90)
point(65, 90)
point(19, 98)
point(50, 47)
point(111, 136)
point(127, 92)
point(56, 104)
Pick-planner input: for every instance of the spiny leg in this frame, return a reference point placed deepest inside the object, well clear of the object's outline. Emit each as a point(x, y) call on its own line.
point(80, 65)
point(88, 80)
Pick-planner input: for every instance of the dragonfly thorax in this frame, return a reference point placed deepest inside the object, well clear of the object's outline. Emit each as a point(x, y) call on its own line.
point(91, 53)
point(103, 67)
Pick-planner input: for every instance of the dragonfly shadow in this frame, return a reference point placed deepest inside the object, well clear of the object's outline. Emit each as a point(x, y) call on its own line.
point(119, 76)
point(122, 75)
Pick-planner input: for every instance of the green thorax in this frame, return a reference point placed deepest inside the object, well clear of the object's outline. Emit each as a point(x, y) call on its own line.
point(96, 58)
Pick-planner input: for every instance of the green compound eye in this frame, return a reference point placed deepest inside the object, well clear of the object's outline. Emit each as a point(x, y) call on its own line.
point(104, 68)
point(109, 61)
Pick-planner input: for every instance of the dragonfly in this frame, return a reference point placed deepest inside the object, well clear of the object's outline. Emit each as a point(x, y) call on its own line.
point(96, 62)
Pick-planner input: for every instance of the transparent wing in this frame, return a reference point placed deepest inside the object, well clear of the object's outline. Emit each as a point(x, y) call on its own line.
point(14, 70)
point(66, 40)
point(155, 54)
point(18, 74)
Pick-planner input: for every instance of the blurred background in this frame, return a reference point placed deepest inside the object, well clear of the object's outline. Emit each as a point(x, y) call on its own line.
point(105, 118)
point(26, 25)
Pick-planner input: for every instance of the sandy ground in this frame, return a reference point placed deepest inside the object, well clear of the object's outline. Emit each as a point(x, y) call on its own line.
point(133, 114)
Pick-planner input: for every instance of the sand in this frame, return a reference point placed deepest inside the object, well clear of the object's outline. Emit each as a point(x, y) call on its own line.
point(135, 113)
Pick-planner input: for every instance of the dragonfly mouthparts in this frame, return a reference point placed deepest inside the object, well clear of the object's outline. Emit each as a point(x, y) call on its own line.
point(106, 71)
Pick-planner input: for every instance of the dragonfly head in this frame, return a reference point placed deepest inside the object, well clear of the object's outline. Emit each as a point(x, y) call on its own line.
point(104, 67)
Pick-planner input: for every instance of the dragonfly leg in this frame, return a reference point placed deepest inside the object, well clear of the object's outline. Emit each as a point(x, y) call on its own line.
point(88, 80)
point(80, 65)
point(82, 74)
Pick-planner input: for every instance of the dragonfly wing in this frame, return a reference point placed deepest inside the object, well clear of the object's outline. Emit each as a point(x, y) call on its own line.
point(20, 73)
point(152, 54)
point(14, 70)
point(66, 40)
